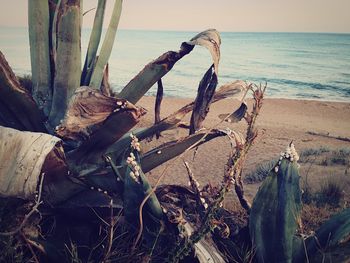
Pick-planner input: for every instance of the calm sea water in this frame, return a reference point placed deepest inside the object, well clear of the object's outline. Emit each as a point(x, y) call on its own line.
point(295, 65)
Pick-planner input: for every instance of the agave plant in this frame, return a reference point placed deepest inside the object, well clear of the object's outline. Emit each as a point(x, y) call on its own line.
point(66, 144)
point(275, 218)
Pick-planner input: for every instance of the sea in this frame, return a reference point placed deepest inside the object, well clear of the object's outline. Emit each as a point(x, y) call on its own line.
point(294, 65)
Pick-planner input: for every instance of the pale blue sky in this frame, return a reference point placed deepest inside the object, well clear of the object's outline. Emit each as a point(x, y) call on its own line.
point(224, 15)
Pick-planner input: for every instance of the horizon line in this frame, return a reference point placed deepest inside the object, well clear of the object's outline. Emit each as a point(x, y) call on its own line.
point(221, 31)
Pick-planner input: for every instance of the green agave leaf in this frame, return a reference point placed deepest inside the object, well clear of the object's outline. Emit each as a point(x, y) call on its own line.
point(107, 46)
point(68, 63)
point(54, 7)
point(93, 43)
point(331, 233)
point(39, 22)
point(155, 70)
point(275, 213)
point(136, 188)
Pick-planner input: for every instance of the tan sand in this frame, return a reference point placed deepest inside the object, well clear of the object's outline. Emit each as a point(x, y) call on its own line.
point(280, 121)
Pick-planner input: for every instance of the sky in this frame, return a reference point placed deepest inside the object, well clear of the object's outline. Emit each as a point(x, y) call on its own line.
point(224, 15)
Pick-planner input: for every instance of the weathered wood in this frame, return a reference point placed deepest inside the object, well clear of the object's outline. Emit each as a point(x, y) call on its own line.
point(17, 108)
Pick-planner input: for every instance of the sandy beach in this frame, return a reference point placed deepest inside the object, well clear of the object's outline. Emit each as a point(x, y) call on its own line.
point(280, 121)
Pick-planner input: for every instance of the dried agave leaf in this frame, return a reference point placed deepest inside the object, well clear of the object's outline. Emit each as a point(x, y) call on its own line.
point(206, 90)
point(170, 150)
point(88, 109)
point(155, 70)
point(236, 89)
point(17, 108)
point(237, 115)
point(102, 126)
point(158, 103)
point(22, 156)
point(211, 40)
point(233, 89)
point(205, 251)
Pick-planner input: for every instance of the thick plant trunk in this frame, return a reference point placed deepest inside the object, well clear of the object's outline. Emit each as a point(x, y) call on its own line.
point(68, 63)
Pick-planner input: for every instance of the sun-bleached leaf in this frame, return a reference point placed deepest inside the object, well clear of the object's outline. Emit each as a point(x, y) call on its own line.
point(211, 40)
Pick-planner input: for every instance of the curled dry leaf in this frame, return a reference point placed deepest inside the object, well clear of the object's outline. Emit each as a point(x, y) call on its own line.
point(102, 120)
point(22, 157)
point(211, 40)
point(237, 115)
point(88, 109)
point(206, 90)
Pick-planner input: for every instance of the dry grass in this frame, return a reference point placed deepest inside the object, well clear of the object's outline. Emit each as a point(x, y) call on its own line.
point(312, 216)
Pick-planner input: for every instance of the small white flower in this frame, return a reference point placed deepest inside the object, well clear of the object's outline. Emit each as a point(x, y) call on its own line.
point(205, 206)
point(276, 169)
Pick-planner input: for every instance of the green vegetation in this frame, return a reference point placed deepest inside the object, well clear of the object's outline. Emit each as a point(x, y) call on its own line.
point(261, 171)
